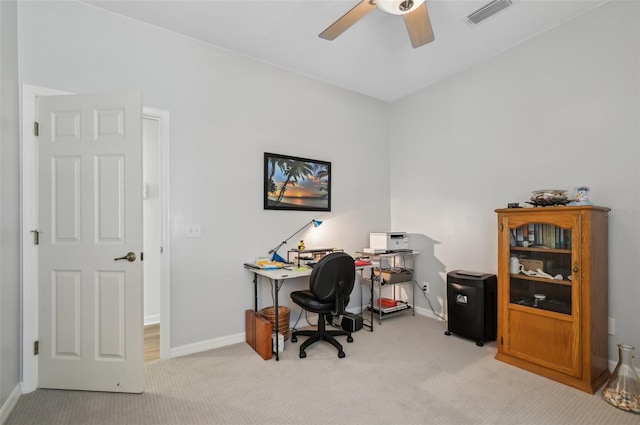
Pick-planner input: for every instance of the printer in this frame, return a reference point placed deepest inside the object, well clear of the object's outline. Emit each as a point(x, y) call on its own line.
point(389, 241)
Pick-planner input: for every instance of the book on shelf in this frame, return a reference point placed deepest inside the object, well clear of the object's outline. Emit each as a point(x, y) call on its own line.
point(541, 235)
point(531, 231)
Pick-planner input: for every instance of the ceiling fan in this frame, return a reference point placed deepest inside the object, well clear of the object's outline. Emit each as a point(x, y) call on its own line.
point(414, 12)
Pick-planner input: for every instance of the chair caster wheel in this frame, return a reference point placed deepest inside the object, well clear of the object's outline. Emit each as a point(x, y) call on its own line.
point(447, 333)
point(349, 339)
point(294, 338)
point(479, 343)
point(303, 354)
point(341, 354)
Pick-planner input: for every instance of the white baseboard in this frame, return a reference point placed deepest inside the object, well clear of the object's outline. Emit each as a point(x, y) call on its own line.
point(211, 344)
point(11, 402)
point(428, 313)
point(151, 319)
point(207, 345)
point(614, 363)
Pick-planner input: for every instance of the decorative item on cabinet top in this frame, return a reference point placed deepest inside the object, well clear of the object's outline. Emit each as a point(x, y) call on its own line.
point(548, 198)
point(581, 196)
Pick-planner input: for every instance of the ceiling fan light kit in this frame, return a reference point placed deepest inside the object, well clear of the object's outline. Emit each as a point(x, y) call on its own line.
point(414, 12)
point(398, 7)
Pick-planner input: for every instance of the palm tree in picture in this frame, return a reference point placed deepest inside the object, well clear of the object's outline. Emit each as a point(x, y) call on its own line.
point(294, 171)
point(273, 163)
point(322, 175)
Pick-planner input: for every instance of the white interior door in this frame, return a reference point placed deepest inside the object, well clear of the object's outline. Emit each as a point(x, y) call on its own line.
point(89, 214)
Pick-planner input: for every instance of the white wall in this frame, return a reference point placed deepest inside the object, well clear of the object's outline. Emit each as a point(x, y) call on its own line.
point(226, 111)
point(557, 111)
point(9, 211)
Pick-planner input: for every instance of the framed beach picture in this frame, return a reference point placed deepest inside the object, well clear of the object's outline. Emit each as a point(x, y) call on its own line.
point(293, 183)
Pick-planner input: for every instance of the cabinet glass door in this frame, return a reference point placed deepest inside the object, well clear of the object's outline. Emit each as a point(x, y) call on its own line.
point(540, 264)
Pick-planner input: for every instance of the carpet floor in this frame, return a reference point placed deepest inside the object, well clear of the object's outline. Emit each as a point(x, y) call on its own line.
point(405, 372)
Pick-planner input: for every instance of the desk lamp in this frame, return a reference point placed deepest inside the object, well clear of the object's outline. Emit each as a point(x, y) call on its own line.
point(274, 251)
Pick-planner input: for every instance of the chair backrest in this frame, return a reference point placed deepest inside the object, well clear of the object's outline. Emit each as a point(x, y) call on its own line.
point(332, 279)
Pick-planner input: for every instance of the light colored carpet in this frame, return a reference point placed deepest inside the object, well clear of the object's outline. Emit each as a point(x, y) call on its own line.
point(405, 372)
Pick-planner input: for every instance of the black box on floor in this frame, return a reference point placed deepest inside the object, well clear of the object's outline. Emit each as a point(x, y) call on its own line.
point(472, 305)
point(351, 322)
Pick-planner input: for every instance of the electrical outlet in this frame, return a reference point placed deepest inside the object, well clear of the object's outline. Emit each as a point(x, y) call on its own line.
point(425, 287)
point(612, 326)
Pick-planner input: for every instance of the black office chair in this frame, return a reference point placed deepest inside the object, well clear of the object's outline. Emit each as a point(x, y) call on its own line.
point(330, 286)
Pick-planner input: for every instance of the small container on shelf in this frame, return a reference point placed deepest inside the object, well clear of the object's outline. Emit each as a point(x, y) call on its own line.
point(537, 298)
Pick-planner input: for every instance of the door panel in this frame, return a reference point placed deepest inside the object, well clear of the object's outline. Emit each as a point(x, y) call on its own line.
point(65, 199)
point(549, 340)
point(66, 314)
point(110, 193)
point(90, 212)
point(110, 327)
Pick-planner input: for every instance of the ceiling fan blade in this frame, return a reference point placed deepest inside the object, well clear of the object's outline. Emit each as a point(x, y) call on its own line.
point(348, 19)
point(419, 26)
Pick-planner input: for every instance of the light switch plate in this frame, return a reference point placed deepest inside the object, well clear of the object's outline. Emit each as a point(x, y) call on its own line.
point(193, 231)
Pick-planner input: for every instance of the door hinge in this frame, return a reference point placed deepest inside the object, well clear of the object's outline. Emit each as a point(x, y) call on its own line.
point(36, 348)
point(501, 227)
point(36, 237)
point(36, 128)
point(142, 256)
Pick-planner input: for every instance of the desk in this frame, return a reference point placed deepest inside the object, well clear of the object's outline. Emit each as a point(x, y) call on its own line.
point(277, 278)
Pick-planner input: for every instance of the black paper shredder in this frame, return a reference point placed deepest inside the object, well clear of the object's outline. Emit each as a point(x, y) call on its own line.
point(472, 305)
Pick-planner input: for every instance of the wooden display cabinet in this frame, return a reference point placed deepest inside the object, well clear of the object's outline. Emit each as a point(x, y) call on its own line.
point(553, 322)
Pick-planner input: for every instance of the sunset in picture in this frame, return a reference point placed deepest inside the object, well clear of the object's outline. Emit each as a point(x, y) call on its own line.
point(296, 183)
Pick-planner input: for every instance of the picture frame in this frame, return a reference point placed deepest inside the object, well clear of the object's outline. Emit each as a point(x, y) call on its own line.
point(294, 183)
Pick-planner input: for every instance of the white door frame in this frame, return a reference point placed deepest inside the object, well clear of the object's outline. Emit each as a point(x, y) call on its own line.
point(162, 117)
point(28, 198)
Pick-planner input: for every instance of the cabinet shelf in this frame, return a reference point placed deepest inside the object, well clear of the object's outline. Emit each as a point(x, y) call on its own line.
point(541, 279)
point(384, 282)
point(402, 306)
point(541, 249)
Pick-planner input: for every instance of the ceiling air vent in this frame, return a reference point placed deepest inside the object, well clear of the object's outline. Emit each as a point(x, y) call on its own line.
point(488, 10)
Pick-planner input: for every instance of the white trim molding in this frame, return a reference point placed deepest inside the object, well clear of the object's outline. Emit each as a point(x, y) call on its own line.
point(210, 344)
point(162, 117)
point(29, 202)
point(12, 400)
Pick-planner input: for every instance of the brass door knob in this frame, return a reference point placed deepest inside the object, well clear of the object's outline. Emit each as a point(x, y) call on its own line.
point(130, 257)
